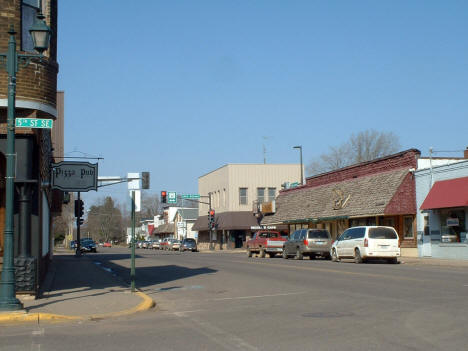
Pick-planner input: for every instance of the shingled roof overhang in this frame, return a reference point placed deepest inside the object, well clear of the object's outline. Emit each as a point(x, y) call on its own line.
point(358, 197)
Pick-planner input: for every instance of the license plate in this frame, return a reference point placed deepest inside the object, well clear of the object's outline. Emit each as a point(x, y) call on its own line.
point(320, 242)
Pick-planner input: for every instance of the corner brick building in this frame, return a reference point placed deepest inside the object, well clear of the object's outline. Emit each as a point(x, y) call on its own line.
point(377, 192)
point(36, 97)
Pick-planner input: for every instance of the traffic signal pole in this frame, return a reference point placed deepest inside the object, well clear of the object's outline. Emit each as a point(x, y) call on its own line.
point(209, 223)
point(78, 234)
point(132, 268)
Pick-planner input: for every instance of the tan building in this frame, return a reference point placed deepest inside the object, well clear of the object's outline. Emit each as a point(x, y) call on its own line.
point(235, 191)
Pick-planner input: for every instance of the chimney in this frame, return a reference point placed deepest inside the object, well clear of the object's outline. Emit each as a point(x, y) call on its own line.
point(465, 154)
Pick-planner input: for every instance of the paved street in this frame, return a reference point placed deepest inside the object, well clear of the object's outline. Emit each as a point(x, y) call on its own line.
point(226, 301)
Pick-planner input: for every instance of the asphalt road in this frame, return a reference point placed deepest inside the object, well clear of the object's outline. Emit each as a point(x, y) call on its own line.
point(225, 301)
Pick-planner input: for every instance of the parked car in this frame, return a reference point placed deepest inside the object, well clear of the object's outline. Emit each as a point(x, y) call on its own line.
point(173, 245)
point(265, 242)
point(107, 244)
point(73, 244)
point(367, 242)
point(163, 244)
point(146, 244)
point(155, 244)
point(188, 244)
point(88, 245)
point(308, 242)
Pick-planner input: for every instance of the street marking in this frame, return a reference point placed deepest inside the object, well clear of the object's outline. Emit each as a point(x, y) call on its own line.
point(255, 296)
point(328, 270)
point(182, 313)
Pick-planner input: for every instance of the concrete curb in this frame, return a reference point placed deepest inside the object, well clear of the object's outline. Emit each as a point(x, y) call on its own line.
point(25, 317)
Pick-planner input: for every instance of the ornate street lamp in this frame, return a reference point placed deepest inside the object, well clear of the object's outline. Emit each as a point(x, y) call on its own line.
point(40, 33)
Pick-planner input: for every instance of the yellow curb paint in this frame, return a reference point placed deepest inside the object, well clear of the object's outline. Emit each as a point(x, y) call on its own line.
point(24, 317)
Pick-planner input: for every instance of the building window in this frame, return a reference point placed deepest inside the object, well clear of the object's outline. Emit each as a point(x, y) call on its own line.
point(29, 10)
point(242, 196)
point(271, 194)
point(261, 195)
point(408, 227)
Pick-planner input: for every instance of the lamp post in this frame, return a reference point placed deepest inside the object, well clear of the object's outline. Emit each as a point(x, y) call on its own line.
point(302, 170)
point(40, 33)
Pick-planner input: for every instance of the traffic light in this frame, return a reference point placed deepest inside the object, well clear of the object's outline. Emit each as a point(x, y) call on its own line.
point(211, 219)
point(145, 180)
point(80, 221)
point(79, 208)
point(163, 196)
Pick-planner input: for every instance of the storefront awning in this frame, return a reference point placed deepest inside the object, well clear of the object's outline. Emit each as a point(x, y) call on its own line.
point(447, 194)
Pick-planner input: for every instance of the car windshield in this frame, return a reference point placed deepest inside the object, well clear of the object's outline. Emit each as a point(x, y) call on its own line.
point(189, 240)
point(382, 233)
point(273, 235)
point(318, 234)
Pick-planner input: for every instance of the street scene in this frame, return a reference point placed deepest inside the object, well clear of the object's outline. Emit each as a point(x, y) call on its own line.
point(227, 301)
point(233, 175)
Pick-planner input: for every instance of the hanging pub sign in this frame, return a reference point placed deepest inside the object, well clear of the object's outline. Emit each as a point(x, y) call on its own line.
point(74, 176)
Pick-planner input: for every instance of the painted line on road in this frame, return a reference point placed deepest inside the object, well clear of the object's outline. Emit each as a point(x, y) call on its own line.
point(255, 296)
point(328, 270)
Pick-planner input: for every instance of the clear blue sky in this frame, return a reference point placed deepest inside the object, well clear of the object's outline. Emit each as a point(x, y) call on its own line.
point(180, 88)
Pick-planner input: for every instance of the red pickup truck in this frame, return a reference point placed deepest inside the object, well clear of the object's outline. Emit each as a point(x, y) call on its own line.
point(265, 242)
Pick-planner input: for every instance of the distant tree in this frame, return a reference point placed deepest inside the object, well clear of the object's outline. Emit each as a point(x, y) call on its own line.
point(150, 205)
point(63, 224)
point(105, 221)
point(363, 146)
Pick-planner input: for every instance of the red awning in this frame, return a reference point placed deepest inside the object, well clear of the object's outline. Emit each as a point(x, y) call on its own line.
point(446, 194)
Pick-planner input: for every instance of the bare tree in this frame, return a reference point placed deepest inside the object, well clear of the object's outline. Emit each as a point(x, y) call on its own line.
point(150, 205)
point(105, 221)
point(363, 146)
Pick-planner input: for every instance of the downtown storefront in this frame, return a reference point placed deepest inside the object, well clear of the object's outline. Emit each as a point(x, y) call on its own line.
point(442, 200)
point(379, 192)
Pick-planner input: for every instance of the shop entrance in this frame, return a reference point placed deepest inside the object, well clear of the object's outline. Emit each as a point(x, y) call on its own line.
point(237, 238)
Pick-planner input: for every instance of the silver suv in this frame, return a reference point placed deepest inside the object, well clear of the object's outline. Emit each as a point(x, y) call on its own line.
point(308, 242)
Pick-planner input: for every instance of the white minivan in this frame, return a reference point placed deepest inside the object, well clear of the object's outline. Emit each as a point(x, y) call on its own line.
point(367, 242)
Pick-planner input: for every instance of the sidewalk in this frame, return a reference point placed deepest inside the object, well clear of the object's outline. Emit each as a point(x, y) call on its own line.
point(79, 289)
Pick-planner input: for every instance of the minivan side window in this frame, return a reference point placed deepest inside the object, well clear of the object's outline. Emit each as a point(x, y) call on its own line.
point(359, 233)
point(303, 234)
point(346, 235)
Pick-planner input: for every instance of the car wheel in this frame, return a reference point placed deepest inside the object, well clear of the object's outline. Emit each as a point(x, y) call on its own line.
point(249, 253)
point(334, 256)
point(285, 255)
point(271, 254)
point(357, 256)
point(393, 260)
point(299, 255)
point(312, 257)
point(262, 253)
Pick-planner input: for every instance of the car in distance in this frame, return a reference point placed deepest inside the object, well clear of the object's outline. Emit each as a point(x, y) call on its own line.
point(188, 244)
point(173, 245)
point(366, 243)
point(155, 244)
point(308, 242)
point(107, 244)
point(88, 245)
point(163, 244)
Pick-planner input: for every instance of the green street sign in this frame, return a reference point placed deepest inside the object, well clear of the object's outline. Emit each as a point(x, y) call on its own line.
point(190, 196)
point(171, 197)
point(34, 123)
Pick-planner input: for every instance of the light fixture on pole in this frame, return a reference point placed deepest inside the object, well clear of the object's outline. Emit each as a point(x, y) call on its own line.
point(302, 168)
point(40, 33)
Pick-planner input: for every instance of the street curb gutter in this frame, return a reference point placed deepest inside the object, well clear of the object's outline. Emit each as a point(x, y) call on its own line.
point(24, 317)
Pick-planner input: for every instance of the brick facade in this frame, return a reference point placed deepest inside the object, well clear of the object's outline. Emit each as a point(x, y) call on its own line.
point(38, 81)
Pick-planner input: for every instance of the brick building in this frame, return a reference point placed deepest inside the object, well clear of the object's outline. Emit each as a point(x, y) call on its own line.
point(377, 192)
point(36, 97)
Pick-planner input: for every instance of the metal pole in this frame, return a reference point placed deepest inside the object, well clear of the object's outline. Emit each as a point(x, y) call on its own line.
point(209, 224)
point(8, 300)
point(302, 168)
point(78, 231)
point(132, 269)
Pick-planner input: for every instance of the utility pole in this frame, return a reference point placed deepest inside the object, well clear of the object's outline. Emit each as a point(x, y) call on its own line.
point(78, 223)
point(209, 222)
point(132, 269)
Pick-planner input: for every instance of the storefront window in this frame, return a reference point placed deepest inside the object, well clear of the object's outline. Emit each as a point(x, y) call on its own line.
point(408, 227)
point(452, 226)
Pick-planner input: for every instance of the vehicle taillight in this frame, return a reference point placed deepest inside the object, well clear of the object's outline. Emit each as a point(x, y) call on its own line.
point(306, 242)
point(366, 243)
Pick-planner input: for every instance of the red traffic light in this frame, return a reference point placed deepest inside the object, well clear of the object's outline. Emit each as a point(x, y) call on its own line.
point(212, 213)
point(163, 196)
